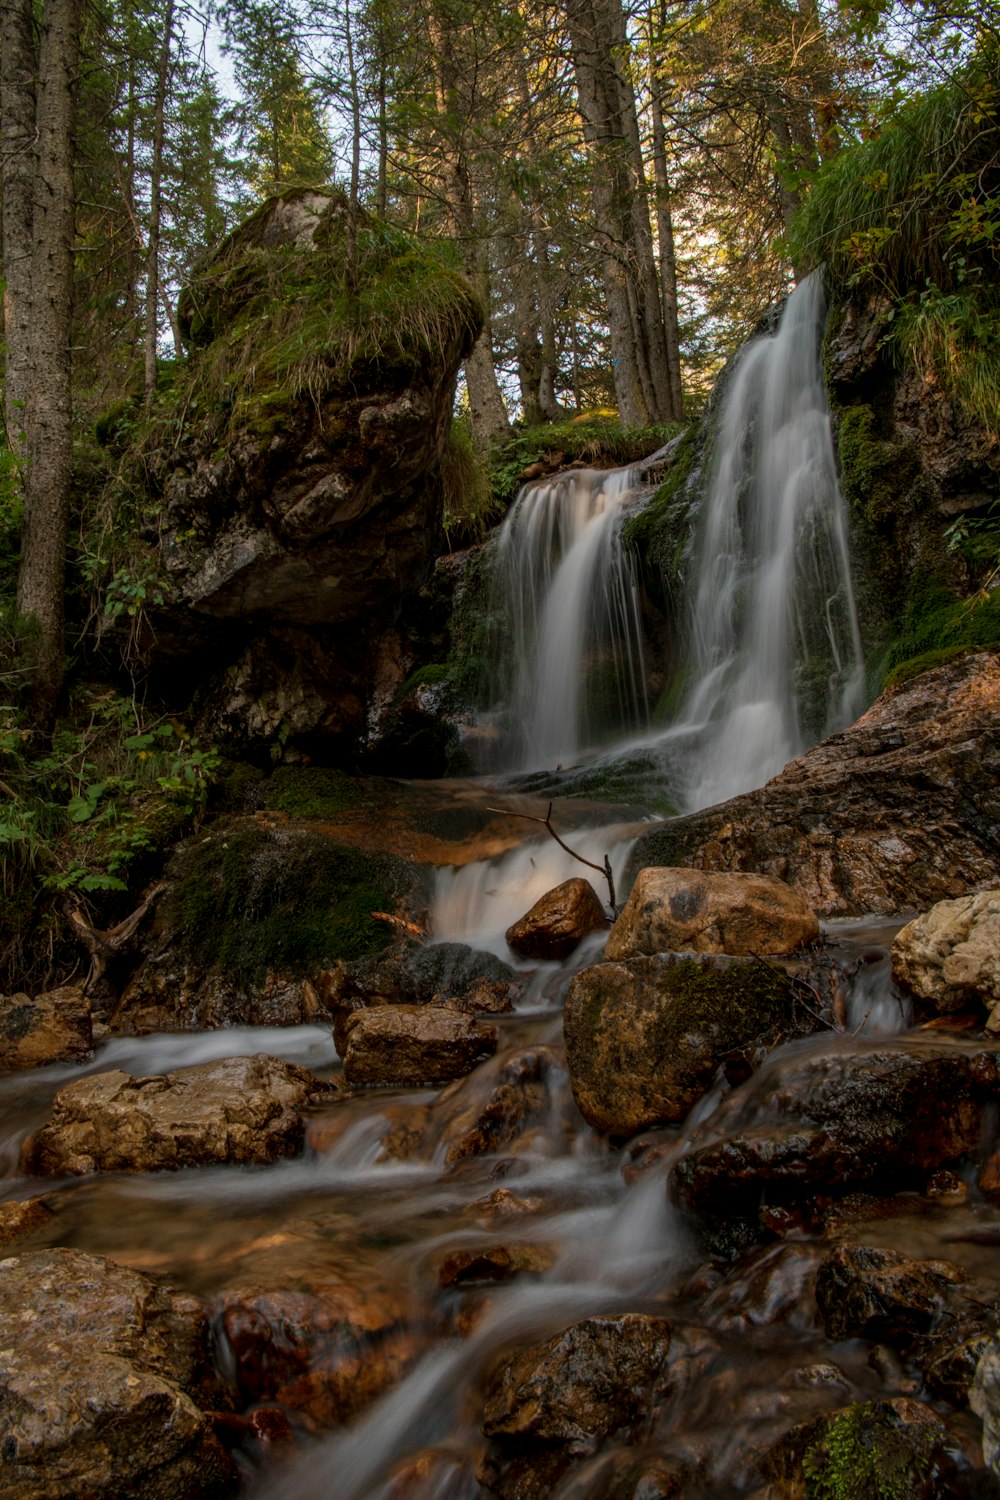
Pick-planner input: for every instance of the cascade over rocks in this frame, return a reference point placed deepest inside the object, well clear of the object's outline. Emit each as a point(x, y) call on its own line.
point(950, 956)
point(691, 911)
point(241, 1109)
point(645, 1037)
point(102, 1377)
point(305, 501)
point(897, 811)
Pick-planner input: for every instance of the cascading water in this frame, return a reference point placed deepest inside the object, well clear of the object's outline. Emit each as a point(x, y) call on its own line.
point(772, 659)
point(775, 651)
point(572, 605)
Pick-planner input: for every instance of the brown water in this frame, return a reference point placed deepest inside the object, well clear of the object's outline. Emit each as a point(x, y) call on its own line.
point(754, 1358)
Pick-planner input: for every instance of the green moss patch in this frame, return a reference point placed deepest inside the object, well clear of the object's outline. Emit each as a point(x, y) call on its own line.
point(251, 900)
point(597, 437)
point(938, 627)
point(315, 792)
point(870, 1452)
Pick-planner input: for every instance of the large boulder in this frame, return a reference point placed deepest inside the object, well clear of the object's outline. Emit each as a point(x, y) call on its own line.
point(863, 1291)
point(950, 956)
point(645, 1038)
point(300, 493)
point(558, 922)
point(103, 1375)
point(670, 911)
point(413, 1044)
point(55, 1027)
point(899, 810)
point(240, 1109)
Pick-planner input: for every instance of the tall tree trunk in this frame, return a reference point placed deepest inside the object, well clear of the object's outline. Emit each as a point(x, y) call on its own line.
point(155, 178)
point(665, 237)
point(352, 199)
point(17, 153)
point(49, 412)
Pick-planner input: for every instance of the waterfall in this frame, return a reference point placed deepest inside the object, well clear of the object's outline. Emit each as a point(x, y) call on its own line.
point(572, 604)
point(775, 658)
point(772, 658)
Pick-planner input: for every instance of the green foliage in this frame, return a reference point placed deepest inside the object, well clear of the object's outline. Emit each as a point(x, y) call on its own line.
point(470, 507)
point(954, 337)
point(864, 1453)
point(590, 437)
point(937, 627)
point(252, 900)
point(659, 533)
point(314, 792)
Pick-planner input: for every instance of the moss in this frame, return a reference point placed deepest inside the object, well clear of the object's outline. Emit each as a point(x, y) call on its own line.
point(314, 792)
point(251, 900)
point(597, 437)
point(874, 474)
point(433, 673)
point(937, 627)
point(867, 1452)
point(659, 534)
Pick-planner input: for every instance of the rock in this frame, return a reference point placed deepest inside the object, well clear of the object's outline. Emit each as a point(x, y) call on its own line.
point(826, 1121)
point(984, 1398)
point(493, 1263)
point(101, 1377)
point(594, 1378)
point(897, 811)
point(321, 1340)
point(950, 956)
point(501, 1105)
point(56, 1027)
point(689, 911)
point(413, 1044)
point(300, 505)
point(558, 922)
point(644, 1038)
point(868, 1293)
point(241, 1109)
point(19, 1220)
point(877, 1449)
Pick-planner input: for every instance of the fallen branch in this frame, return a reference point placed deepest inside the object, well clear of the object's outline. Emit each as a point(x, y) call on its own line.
point(546, 823)
point(102, 945)
point(411, 929)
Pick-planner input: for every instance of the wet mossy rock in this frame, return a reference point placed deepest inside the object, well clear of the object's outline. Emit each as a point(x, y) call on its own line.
point(301, 496)
point(644, 1038)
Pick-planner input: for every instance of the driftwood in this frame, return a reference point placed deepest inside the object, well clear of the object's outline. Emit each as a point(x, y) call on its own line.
point(546, 823)
point(104, 944)
point(409, 929)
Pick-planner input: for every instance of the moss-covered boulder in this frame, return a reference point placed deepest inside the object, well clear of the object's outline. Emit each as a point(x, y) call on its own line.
point(296, 460)
point(644, 1038)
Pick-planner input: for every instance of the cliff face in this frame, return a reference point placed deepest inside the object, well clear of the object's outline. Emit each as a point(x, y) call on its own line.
point(301, 503)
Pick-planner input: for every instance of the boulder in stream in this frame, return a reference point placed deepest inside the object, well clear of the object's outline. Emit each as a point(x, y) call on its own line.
point(558, 922)
point(950, 956)
point(645, 1037)
point(866, 1292)
point(691, 911)
point(413, 1044)
point(239, 1109)
point(55, 1027)
point(102, 1377)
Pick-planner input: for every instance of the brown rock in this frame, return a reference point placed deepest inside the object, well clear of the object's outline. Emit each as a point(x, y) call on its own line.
point(493, 1263)
point(18, 1220)
point(99, 1379)
point(864, 1292)
point(689, 911)
point(242, 1109)
point(950, 955)
point(644, 1038)
point(54, 1028)
point(896, 811)
point(501, 1104)
point(413, 1044)
point(558, 921)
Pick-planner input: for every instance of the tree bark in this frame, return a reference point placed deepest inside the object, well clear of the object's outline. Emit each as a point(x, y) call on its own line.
point(17, 152)
point(155, 178)
point(49, 412)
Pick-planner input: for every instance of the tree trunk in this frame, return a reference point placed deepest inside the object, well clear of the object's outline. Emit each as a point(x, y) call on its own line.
point(665, 239)
point(49, 412)
point(155, 176)
point(17, 152)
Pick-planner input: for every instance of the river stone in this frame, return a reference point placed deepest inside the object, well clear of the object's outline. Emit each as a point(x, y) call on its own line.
point(827, 1121)
point(984, 1398)
point(558, 922)
point(869, 1293)
point(644, 1038)
point(950, 955)
point(240, 1109)
point(677, 910)
point(413, 1044)
point(101, 1375)
point(897, 1447)
point(56, 1027)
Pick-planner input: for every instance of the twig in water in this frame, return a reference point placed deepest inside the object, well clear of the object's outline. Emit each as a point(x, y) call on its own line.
point(546, 823)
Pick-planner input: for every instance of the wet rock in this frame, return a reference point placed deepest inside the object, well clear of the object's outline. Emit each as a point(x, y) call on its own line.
point(56, 1027)
point(241, 1109)
point(649, 1477)
point(677, 910)
point(413, 1044)
point(830, 1120)
point(984, 1398)
point(864, 1292)
point(644, 1038)
point(323, 1341)
point(500, 1106)
point(485, 998)
point(877, 1449)
point(101, 1377)
point(950, 956)
point(897, 811)
point(19, 1220)
point(493, 1263)
point(558, 922)
point(576, 1388)
point(949, 1363)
